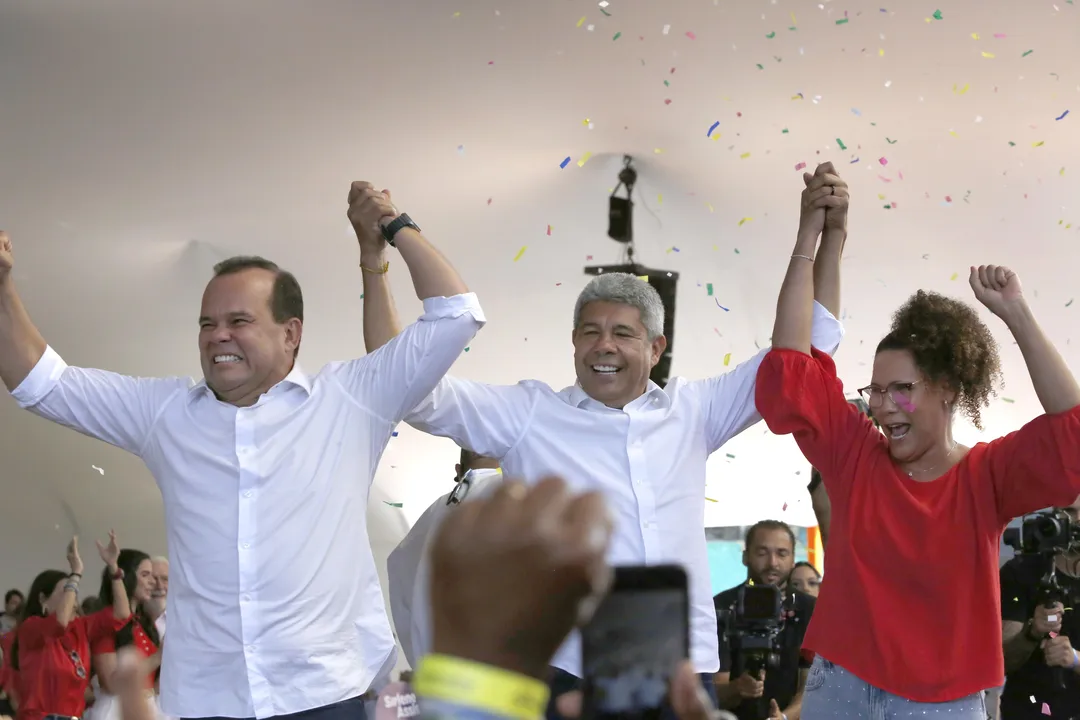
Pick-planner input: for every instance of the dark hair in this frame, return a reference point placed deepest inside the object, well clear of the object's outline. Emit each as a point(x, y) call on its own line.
point(286, 299)
point(467, 457)
point(90, 605)
point(950, 345)
point(803, 563)
point(769, 525)
point(43, 584)
point(129, 562)
point(13, 593)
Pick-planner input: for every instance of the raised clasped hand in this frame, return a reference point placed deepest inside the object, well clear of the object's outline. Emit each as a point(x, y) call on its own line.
point(7, 260)
point(824, 201)
point(369, 210)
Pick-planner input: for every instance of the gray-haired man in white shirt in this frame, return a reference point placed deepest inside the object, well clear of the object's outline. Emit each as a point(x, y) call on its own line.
point(264, 472)
point(616, 431)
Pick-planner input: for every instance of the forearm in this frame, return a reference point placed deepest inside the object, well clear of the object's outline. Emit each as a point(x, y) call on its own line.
point(121, 604)
point(381, 323)
point(819, 500)
point(21, 345)
point(432, 274)
point(1054, 382)
point(794, 710)
point(795, 307)
point(1017, 650)
point(827, 270)
point(727, 695)
point(66, 612)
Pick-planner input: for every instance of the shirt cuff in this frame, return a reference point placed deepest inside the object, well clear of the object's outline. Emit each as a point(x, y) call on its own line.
point(826, 332)
point(438, 308)
point(41, 380)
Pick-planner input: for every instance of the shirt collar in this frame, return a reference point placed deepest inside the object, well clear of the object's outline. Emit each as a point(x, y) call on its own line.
point(296, 377)
point(580, 399)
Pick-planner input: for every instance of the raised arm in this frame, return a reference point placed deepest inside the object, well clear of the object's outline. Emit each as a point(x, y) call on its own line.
point(824, 208)
point(21, 345)
point(381, 323)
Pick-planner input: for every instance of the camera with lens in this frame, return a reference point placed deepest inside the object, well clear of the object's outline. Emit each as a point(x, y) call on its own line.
point(752, 626)
point(1045, 533)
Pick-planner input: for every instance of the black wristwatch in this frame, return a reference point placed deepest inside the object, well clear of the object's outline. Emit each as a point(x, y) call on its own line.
point(390, 229)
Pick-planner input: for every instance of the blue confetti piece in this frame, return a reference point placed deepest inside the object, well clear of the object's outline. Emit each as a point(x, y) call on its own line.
point(721, 306)
point(1062, 115)
point(712, 127)
point(856, 111)
point(854, 161)
point(393, 434)
point(565, 162)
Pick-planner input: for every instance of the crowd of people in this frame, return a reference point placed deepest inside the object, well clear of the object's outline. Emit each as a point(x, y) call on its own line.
point(259, 460)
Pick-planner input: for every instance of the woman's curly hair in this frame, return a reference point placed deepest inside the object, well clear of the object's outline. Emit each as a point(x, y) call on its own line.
point(951, 346)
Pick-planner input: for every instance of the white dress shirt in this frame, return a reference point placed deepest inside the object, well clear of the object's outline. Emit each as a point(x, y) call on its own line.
point(408, 571)
point(275, 601)
point(648, 459)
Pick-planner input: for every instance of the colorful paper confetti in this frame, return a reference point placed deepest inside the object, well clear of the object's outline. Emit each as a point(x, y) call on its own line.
point(691, 35)
point(102, 472)
point(1062, 115)
point(842, 21)
point(745, 220)
point(711, 128)
point(393, 504)
point(520, 252)
point(709, 291)
point(841, 144)
point(799, 166)
point(565, 162)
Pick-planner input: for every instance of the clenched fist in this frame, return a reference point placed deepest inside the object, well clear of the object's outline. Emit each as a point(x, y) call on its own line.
point(369, 210)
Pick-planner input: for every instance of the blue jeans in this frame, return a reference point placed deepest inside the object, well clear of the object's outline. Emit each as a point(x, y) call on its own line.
point(563, 682)
point(832, 692)
point(352, 709)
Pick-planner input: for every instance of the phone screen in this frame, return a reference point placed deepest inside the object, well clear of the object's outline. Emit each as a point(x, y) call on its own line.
point(634, 643)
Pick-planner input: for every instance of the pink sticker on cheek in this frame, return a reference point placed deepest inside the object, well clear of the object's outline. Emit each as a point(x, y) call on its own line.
point(906, 405)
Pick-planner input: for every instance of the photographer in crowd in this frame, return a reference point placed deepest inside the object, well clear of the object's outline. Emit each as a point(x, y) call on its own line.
point(773, 692)
point(1040, 630)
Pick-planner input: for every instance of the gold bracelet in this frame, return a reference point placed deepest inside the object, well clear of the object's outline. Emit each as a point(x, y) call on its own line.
point(804, 257)
point(481, 687)
point(380, 271)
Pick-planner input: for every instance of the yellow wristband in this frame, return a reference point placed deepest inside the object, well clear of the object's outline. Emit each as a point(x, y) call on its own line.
point(381, 271)
point(483, 687)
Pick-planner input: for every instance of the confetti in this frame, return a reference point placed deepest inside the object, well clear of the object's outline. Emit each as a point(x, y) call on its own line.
point(1008, 400)
point(748, 219)
point(520, 253)
point(584, 159)
point(712, 127)
point(709, 290)
point(394, 434)
point(999, 36)
point(954, 276)
point(667, 29)
point(784, 509)
point(1027, 53)
point(394, 505)
point(962, 90)
point(988, 55)
point(617, 36)
point(581, 21)
point(691, 35)
point(102, 472)
point(883, 161)
point(974, 36)
point(549, 231)
point(710, 499)
point(1038, 144)
point(937, 15)
point(771, 35)
point(1062, 115)
point(1045, 709)
point(842, 21)
point(461, 149)
point(721, 306)
point(799, 166)
point(565, 162)
point(784, 131)
point(744, 156)
point(468, 347)
point(841, 144)
point(730, 456)
point(489, 199)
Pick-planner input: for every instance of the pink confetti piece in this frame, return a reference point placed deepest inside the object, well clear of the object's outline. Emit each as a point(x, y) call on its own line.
point(883, 161)
point(549, 231)
point(1045, 709)
point(999, 36)
point(900, 174)
point(489, 201)
point(882, 178)
point(800, 166)
point(784, 509)
point(690, 34)
point(948, 198)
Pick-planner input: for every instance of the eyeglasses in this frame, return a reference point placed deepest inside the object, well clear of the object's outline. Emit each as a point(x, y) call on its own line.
point(899, 392)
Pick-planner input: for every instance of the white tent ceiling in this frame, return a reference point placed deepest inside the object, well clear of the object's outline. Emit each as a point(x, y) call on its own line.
point(141, 142)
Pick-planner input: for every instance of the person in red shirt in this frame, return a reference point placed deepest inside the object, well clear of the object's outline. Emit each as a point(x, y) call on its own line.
point(909, 620)
point(52, 648)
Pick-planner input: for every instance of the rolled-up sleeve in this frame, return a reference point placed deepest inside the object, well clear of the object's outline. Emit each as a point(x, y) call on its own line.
point(398, 376)
point(118, 409)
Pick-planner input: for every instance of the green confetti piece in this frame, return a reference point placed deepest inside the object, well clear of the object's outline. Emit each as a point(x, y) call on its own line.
point(667, 84)
point(891, 142)
point(617, 36)
point(760, 66)
point(841, 144)
point(361, 296)
point(793, 28)
point(784, 131)
point(1012, 144)
point(467, 349)
point(737, 251)
point(731, 456)
point(708, 289)
point(397, 505)
point(842, 21)
point(605, 12)
point(937, 15)
point(1069, 303)
point(887, 206)
point(1027, 53)
point(771, 35)
point(1008, 400)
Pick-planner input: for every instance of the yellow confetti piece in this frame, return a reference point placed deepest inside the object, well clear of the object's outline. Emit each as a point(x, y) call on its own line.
point(880, 196)
point(744, 221)
point(974, 36)
point(657, 150)
point(457, 14)
point(1061, 171)
point(586, 122)
point(954, 276)
point(881, 52)
point(1038, 144)
point(710, 499)
point(709, 205)
point(962, 90)
point(584, 159)
point(928, 20)
point(727, 359)
point(796, 97)
point(581, 21)
point(793, 19)
point(953, 133)
point(988, 55)
point(715, 137)
point(660, 198)
point(643, 278)
point(744, 156)
point(520, 252)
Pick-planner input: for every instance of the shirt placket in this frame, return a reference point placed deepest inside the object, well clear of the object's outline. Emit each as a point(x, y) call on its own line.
point(644, 490)
point(247, 527)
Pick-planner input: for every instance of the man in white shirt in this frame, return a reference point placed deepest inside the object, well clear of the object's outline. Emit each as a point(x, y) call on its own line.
point(616, 431)
point(408, 565)
point(160, 594)
point(264, 472)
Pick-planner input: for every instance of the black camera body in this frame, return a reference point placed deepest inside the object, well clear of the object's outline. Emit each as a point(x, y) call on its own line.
point(752, 626)
point(1044, 533)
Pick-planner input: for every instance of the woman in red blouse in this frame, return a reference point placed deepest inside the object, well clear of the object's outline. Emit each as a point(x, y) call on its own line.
point(52, 649)
point(139, 632)
point(909, 621)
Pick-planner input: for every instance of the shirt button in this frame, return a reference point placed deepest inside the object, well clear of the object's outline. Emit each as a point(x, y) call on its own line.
point(249, 648)
point(245, 598)
point(248, 493)
point(245, 545)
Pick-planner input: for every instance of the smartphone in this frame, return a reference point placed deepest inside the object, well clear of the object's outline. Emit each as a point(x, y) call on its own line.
point(634, 642)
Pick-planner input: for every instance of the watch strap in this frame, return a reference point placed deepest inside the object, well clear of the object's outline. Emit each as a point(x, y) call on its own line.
point(392, 228)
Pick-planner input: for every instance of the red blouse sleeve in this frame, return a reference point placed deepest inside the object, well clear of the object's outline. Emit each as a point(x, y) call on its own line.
point(1036, 466)
point(800, 395)
point(36, 631)
point(101, 629)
